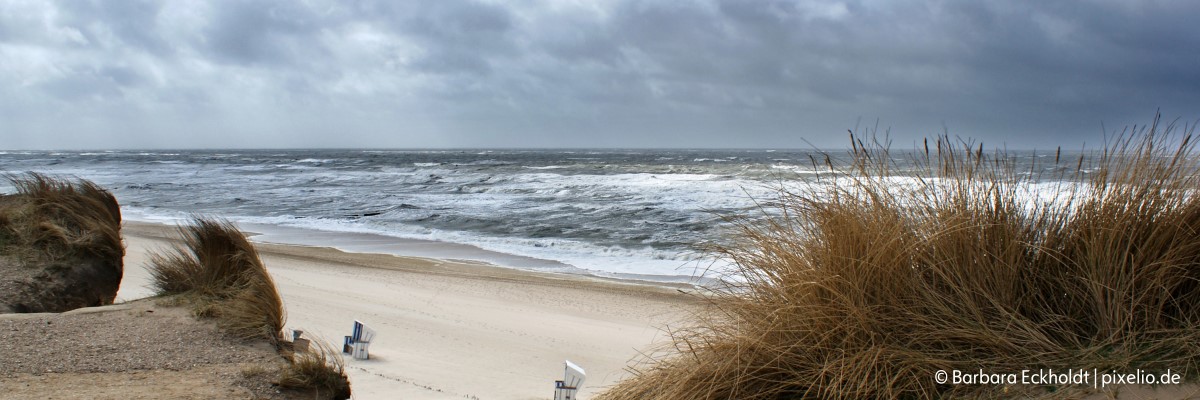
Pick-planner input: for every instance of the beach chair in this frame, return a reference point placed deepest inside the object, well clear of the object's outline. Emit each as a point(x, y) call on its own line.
point(572, 380)
point(299, 343)
point(359, 341)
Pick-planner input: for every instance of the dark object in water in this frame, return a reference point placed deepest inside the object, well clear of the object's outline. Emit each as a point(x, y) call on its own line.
point(373, 213)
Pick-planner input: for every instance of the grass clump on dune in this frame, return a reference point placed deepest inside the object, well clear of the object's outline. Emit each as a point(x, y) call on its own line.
point(321, 369)
point(861, 287)
point(219, 274)
point(60, 245)
point(50, 218)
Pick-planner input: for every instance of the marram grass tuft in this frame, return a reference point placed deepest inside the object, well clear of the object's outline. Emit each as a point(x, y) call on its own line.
point(219, 274)
point(857, 286)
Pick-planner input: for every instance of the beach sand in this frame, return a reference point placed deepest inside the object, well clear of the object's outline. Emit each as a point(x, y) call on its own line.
point(450, 329)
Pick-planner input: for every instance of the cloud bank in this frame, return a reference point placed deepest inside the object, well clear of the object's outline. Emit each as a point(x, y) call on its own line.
point(624, 73)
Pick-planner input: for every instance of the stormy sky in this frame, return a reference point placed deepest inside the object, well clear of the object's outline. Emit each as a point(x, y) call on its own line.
point(581, 73)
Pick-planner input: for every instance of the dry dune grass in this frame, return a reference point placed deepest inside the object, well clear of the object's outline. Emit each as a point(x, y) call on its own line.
point(862, 288)
point(60, 245)
point(321, 368)
point(219, 274)
point(52, 218)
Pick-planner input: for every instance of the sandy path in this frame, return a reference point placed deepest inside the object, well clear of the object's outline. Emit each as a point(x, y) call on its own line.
point(449, 329)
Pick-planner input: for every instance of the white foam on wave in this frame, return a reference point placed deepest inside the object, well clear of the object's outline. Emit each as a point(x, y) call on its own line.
point(799, 169)
point(679, 192)
point(158, 216)
point(577, 256)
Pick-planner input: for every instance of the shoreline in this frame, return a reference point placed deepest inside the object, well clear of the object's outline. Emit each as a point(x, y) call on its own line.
point(379, 243)
point(166, 231)
point(450, 329)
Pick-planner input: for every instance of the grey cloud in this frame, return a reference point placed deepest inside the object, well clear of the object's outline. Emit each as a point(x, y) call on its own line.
point(82, 86)
point(455, 36)
point(121, 75)
point(621, 73)
point(277, 34)
point(133, 23)
point(577, 39)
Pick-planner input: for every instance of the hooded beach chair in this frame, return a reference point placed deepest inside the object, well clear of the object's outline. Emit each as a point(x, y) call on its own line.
point(572, 380)
point(359, 341)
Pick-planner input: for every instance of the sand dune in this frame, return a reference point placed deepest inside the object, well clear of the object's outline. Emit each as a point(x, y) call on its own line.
point(452, 329)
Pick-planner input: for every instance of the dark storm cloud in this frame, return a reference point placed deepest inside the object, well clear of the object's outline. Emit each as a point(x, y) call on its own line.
point(587, 73)
point(276, 34)
point(457, 37)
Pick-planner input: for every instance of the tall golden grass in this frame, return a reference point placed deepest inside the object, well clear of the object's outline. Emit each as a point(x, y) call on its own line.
point(218, 272)
point(51, 218)
point(60, 245)
point(858, 287)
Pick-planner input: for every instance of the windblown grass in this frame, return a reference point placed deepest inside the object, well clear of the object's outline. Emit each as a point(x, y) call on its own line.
point(60, 245)
point(219, 274)
point(319, 368)
point(858, 287)
point(52, 219)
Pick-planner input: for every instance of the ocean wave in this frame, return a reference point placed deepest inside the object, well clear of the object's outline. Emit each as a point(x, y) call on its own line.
point(609, 212)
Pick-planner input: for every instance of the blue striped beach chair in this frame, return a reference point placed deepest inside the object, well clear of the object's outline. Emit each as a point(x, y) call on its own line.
point(359, 341)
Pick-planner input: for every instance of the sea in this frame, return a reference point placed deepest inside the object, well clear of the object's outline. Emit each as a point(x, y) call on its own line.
point(627, 214)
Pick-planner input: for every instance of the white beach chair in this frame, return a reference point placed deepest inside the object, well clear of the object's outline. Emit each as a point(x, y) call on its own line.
point(572, 380)
point(359, 341)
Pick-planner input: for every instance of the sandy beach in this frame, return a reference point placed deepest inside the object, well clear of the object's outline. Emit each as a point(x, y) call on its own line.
point(450, 329)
